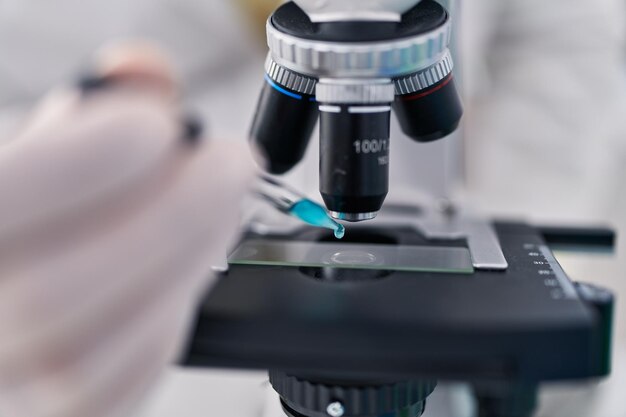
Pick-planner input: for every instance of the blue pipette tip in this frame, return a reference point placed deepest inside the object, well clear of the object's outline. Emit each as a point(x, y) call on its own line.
point(315, 215)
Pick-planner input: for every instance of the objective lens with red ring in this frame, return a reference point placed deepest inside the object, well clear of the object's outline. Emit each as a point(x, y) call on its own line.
point(431, 113)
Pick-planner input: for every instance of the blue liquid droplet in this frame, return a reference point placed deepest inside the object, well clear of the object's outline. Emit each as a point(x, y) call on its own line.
point(314, 214)
point(340, 231)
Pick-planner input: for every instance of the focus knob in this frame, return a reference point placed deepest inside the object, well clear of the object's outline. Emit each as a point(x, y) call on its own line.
point(307, 398)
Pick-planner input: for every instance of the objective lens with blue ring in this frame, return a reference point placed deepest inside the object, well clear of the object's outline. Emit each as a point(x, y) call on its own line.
point(285, 118)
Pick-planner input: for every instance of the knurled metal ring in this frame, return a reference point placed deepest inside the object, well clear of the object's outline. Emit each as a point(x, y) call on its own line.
point(391, 58)
point(289, 79)
point(358, 400)
point(426, 78)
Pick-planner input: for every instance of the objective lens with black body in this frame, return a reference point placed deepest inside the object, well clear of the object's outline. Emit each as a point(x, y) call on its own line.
point(354, 160)
point(284, 120)
point(427, 104)
point(354, 146)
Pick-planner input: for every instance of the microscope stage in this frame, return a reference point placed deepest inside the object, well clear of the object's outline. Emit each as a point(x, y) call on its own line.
point(527, 322)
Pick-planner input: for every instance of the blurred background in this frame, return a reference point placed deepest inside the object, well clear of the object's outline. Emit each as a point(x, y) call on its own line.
point(544, 134)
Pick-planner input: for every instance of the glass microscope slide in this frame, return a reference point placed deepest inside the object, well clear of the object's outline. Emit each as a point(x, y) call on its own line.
point(352, 255)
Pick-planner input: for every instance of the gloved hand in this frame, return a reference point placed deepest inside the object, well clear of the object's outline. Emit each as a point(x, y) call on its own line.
point(109, 223)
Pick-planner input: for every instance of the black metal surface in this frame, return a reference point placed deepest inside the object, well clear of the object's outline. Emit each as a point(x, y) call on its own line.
point(486, 326)
point(430, 114)
point(354, 160)
point(603, 302)
point(505, 400)
point(424, 17)
point(579, 238)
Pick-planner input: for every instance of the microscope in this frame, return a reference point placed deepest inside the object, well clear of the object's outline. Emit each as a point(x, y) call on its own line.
point(366, 326)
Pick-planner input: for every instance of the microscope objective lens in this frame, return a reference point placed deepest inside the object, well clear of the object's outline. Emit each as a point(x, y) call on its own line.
point(314, 214)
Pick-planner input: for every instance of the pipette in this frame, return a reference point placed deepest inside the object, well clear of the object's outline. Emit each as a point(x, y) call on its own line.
point(291, 201)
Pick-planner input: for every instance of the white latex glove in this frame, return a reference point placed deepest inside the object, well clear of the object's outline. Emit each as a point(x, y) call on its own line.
point(109, 224)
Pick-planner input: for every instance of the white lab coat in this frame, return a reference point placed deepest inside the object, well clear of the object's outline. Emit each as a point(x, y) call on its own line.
point(545, 82)
point(44, 43)
point(545, 138)
point(543, 85)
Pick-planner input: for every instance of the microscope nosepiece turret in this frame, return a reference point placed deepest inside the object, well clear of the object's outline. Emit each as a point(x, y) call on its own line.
point(352, 71)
